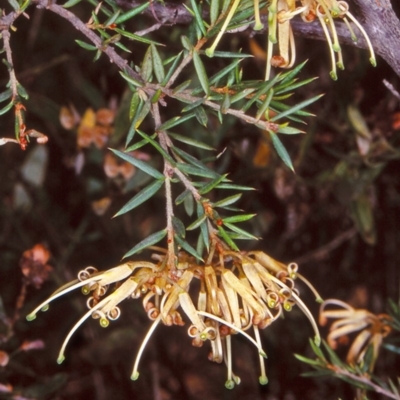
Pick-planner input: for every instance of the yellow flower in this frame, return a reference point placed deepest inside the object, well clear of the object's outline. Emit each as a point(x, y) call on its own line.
point(280, 33)
point(372, 329)
point(237, 292)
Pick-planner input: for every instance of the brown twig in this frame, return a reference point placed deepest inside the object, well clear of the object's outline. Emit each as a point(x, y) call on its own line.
point(5, 33)
point(114, 57)
point(364, 380)
point(378, 19)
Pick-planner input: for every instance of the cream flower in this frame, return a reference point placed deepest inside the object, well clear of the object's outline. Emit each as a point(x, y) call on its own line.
point(238, 292)
point(372, 329)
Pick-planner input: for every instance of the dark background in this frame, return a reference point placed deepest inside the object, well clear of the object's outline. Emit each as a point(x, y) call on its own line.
point(311, 217)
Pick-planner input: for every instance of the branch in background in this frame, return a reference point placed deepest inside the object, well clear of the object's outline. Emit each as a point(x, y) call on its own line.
point(5, 34)
point(121, 63)
point(377, 18)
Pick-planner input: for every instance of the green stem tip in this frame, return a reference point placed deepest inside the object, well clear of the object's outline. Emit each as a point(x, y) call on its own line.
point(135, 376)
point(230, 384)
point(30, 317)
point(263, 380)
point(60, 359)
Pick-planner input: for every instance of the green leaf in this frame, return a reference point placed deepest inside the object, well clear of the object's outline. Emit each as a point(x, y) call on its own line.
point(288, 130)
point(288, 76)
point(201, 116)
point(85, 45)
point(14, 4)
point(392, 348)
point(279, 107)
point(201, 72)
point(227, 239)
point(193, 105)
point(181, 198)
point(215, 78)
point(149, 241)
point(226, 102)
point(316, 374)
point(265, 104)
point(157, 146)
point(309, 360)
point(393, 388)
point(141, 113)
point(229, 54)
point(189, 205)
point(335, 360)
point(6, 108)
point(296, 108)
point(147, 65)
point(211, 185)
point(156, 96)
point(139, 164)
point(157, 64)
point(228, 201)
point(241, 95)
point(97, 55)
point(234, 186)
point(182, 87)
point(174, 66)
point(295, 86)
point(196, 171)
point(187, 44)
point(174, 122)
point(203, 227)
point(71, 3)
point(5, 95)
point(131, 80)
point(265, 87)
point(214, 11)
point(186, 246)
point(190, 141)
point(141, 197)
point(135, 101)
point(238, 218)
point(112, 18)
point(137, 38)
point(280, 149)
point(197, 16)
point(178, 226)
point(131, 13)
point(240, 231)
point(194, 161)
point(194, 225)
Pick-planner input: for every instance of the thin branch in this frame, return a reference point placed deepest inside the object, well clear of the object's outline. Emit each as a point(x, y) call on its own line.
point(377, 17)
point(168, 174)
point(187, 97)
point(365, 381)
point(13, 79)
point(114, 57)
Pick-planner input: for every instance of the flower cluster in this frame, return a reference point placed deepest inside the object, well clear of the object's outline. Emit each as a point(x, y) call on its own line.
point(231, 293)
point(372, 329)
point(280, 33)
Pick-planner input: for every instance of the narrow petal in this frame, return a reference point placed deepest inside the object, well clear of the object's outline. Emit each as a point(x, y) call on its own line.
point(190, 310)
point(135, 372)
point(98, 306)
point(223, 322)
point(263, 379)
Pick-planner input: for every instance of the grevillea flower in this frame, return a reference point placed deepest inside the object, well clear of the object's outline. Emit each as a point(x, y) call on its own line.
point(280, 33)
point(372, 329)
point(235, 292)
